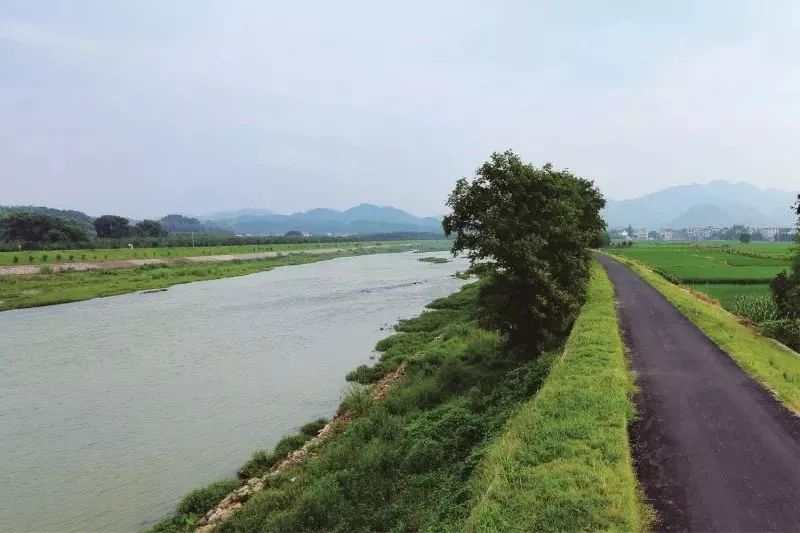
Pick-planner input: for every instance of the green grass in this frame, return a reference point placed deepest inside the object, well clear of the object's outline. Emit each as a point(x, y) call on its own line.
point(563, 462)
point(111, 254)
point(53, 288)
point(774, 367)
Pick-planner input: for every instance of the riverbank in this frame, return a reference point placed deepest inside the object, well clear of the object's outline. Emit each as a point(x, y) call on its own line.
point(408, 458)
point(64, 286)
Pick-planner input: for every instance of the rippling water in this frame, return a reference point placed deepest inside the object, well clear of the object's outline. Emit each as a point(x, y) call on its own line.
point(112, 409)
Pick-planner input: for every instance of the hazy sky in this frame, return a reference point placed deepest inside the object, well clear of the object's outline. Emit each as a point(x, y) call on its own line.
point(145, 107)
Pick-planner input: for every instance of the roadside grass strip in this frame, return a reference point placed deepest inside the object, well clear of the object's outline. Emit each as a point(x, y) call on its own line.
point(563, 461)
point(773, 366)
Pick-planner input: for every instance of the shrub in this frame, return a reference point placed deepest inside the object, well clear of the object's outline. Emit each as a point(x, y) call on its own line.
point(16, 259)
point(357, 399)
point(44, 258)
point(31, 259)
point(312, 428)
point(199, 501)
point(45, 269)
point(58, 257)
point(786, 330)
point(262, 461)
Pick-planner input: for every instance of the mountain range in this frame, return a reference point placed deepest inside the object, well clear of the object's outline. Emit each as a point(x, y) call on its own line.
point(363, 218)
point(719, 203)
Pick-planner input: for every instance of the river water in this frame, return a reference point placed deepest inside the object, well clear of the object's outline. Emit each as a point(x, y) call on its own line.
point(112, 409)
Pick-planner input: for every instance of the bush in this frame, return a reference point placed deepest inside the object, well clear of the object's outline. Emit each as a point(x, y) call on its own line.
point(15, 260)
point(31, 259)
point(45, 269)
point(312, 428)
point(357, 400)
point(262, 461)
point(44, 258)
point(199, 501)
point(58, 257)
point(786, 330)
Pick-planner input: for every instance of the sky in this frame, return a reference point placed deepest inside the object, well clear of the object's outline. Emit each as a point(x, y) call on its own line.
point(145, 107)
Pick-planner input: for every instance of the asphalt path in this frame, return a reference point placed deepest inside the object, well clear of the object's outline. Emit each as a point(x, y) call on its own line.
point(714, 451)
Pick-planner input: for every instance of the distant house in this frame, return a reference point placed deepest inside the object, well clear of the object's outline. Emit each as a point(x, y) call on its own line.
point(700, 233)
point(666, 234)
point(641, 234)
point(769, 234)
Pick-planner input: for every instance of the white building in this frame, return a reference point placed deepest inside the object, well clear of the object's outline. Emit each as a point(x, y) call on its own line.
point(769, 234)
point(641, 234)
point(666, 234)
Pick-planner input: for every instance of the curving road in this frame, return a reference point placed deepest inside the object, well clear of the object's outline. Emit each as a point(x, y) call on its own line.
point(713, 450)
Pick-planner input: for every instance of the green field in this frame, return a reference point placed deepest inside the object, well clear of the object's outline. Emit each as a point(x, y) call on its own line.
point(727, 272)
point(112, 254)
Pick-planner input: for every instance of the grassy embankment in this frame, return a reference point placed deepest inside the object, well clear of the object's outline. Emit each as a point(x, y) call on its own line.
point(408, 462)
point(563, 462)
point(771, 365)
point(61, 287)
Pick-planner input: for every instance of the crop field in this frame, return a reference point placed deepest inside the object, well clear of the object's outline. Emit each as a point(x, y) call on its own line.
point(724, 271)
point(115, 254)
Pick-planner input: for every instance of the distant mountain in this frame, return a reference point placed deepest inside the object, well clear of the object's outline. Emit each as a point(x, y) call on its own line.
point(719, 203)
point(361, 219)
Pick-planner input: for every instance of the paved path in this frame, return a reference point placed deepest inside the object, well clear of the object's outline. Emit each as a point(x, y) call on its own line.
point(713, 450)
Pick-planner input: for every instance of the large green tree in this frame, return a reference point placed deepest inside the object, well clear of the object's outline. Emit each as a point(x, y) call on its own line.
point(112, 227)
point(530, 230)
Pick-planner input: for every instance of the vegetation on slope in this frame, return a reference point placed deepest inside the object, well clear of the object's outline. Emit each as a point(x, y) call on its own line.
point(563, 462)
point(771, 365)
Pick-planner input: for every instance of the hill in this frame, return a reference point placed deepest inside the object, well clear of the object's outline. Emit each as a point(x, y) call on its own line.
point(719, 203)
point(361, 219)
point(81, 218)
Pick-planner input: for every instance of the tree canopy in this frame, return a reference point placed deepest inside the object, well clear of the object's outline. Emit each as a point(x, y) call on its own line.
point(530, 230)
point(39, 228)
point(148, 228)
point(112, 227)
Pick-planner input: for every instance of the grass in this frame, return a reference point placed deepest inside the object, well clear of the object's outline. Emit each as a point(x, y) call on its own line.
point(115, 254)
point(434, 260)
point(774, 367)
point(563, 461)
point(727, 294)
point(62, 287)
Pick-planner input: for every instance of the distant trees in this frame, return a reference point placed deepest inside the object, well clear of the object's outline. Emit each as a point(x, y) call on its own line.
point(148, 228)
point(528, 229)
point(744, 237)
point(112, 227)
point(39, 228)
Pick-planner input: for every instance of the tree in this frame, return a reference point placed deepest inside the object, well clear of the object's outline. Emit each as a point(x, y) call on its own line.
point(148, 228)
point(39, 228)
point(630, 231)
point(528, 229)
point(786, 286)
point(744, 237)
point(112, 227)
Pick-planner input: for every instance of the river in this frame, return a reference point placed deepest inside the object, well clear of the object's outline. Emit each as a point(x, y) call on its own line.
point(112, 409)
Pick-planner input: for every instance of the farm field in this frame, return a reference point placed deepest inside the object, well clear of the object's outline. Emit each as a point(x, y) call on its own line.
point(724, 271)
point(115, 254)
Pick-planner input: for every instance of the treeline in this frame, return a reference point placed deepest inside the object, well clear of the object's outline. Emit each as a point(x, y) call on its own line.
point(36, 230)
